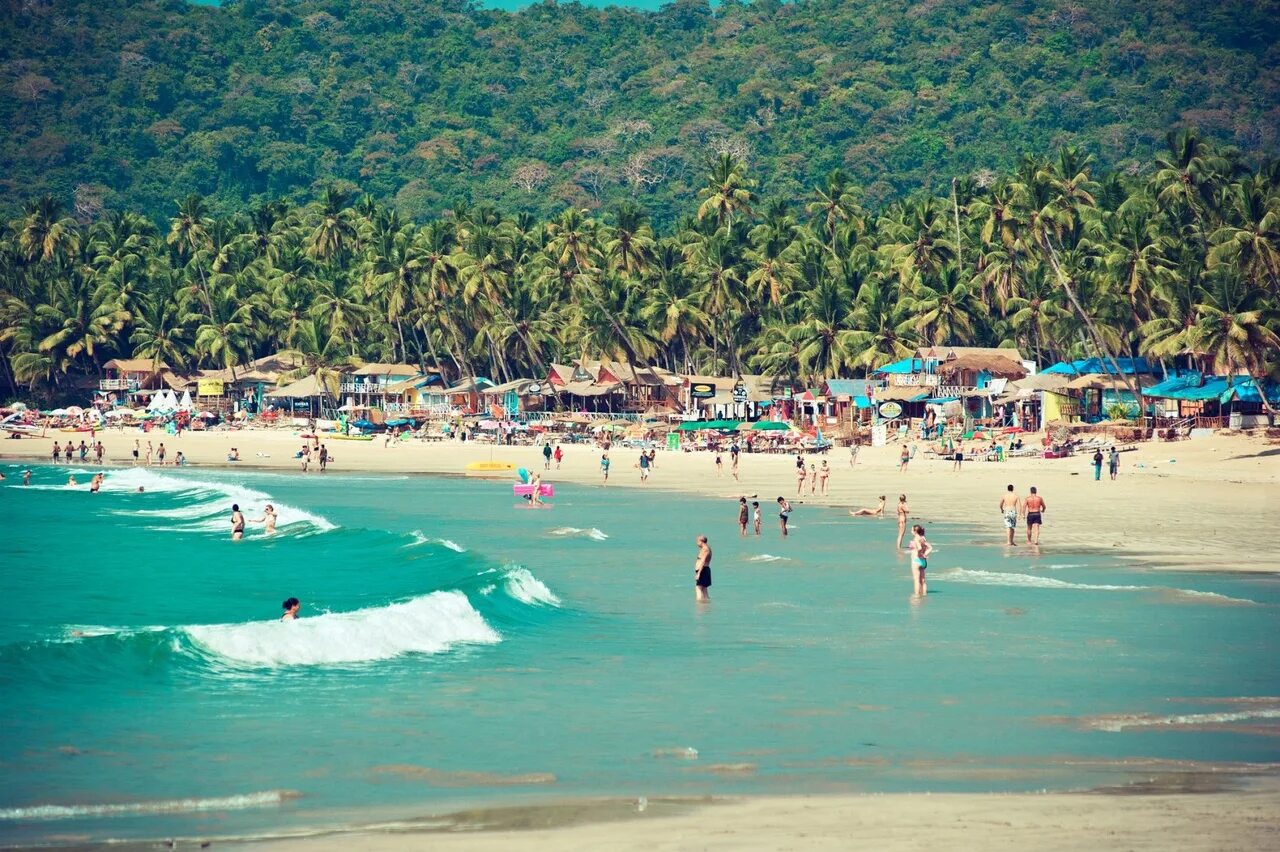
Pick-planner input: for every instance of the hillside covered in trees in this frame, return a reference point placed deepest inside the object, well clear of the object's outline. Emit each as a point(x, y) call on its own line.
point(131, 104)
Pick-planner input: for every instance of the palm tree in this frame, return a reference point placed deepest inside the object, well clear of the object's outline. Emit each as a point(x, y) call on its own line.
point(727, 192)
point(1252, 243)
point(834, 204)
point(45, 235)
point(1236, 330)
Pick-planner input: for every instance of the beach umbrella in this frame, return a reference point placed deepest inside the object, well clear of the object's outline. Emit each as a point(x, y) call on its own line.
point(185, 404)
point(75, 410)
point(119, 412)
point(207, 415)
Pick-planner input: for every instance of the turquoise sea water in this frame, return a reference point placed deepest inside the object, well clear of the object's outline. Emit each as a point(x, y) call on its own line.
point(457, 649)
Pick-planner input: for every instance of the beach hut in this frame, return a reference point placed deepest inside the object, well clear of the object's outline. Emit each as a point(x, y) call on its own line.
point(308, 394)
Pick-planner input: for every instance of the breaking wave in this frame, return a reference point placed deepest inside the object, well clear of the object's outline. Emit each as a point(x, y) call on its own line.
point(168, 806)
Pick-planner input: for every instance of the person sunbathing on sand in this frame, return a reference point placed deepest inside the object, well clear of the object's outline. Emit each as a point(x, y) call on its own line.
point(877, 512)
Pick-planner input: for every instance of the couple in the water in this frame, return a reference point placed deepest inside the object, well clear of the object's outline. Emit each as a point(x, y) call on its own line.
point(268, 520)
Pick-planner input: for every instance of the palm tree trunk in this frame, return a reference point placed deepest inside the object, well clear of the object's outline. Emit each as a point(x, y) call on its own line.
point(1069, 288)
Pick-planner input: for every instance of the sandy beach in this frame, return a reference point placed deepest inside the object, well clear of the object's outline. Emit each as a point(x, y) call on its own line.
point(897, 823)
point(1181, 505)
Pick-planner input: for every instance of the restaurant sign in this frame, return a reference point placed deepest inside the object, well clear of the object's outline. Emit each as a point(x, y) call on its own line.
point(702, 390)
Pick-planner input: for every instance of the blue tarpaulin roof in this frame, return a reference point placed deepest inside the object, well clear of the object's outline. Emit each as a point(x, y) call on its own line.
point(848, 387)
point(1085, 366)
point(1189, 388)
point(861, 402)
point(906, 365)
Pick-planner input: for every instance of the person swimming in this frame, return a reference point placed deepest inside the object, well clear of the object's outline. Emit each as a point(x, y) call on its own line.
point(291, 607)
point(237, 522)
point(268, 519)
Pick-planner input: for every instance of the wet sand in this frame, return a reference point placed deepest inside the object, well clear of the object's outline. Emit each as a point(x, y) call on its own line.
point(1248, 819)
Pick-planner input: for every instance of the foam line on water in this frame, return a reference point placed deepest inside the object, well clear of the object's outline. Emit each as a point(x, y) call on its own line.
point(577, 532)
point(429, 624)
point(769, 557)
point(263, 799)
point(1034, 581)
point(209, 506)
point(1116, 724)
point(1031, 581)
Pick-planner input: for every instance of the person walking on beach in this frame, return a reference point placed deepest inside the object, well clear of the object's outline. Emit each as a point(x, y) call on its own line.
point(877, 512)
point(1010, 506)
point(324, 457)
point(291, 607)
point(719, 465)
point(136, 445)
point(149, 452)
point(958, 458)
point(733, 461)
point(237, 522)
point(756, 519)
point(1097, 465)
point(904, 512)
point(604, 466)
point(643, 464)
point(160, 453)
point(784, 512)
point(853, 451)
point(84, 453)
point(1034, 507)
point(1113, 463)
point(98, 450)
point(743, 516)
point(305, 455)
point(546, 456)
point(800, 476)
point(653, 459)
point(559, 456)
point(813, 479)
point(57, 452)
point(920, 550)
point(702, 570)
point(904, 458)
point(823, 474)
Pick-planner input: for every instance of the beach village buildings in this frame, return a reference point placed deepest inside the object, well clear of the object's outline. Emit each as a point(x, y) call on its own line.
point(956, 386)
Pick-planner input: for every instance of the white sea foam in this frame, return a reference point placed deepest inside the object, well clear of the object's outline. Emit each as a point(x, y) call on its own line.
point(1120, 723)
point(169, 806)
point(419, 538)
point(429, 624)
point(998, 578)
point(210, 502)
point(578, 532)
point(526, 588)
point(769, 557)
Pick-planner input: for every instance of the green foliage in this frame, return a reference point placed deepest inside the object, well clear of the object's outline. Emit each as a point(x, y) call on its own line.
point(435, 103)
point(1183, 266)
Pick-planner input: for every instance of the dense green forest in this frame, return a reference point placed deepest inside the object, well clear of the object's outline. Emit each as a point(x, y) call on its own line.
point(422, 104)
point(1181, 265)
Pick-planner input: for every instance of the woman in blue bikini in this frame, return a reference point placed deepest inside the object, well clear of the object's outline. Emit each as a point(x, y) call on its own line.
point(920, 550)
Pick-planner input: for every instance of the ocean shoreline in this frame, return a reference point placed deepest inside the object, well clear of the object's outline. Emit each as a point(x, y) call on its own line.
point(1166, 511)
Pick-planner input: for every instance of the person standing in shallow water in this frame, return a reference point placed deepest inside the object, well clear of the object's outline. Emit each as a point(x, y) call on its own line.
point(702, 570)
point(1034, 507)
point(237, 522)
point(904, 512)
point(920, 550)
point(744, 515)
point(291, 607)
point(1010, 505)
